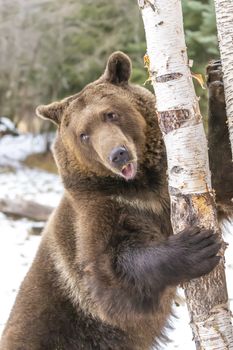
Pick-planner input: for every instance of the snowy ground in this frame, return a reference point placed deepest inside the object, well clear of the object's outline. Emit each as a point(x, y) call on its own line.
point(18, 246)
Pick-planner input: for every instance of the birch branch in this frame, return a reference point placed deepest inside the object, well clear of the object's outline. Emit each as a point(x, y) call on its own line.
point(224, 16)
point(192, 198)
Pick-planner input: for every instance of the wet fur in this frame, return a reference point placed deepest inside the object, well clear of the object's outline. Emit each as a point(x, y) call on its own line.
point(105, 274)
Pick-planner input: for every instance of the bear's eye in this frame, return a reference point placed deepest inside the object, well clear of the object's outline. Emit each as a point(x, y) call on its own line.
point(110, 117)
point(84, 137)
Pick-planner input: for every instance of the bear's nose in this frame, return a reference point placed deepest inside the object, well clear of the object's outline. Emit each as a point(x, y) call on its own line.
point(119, 156)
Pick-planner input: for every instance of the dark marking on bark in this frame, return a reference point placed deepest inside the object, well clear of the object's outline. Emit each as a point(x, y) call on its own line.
point(182, 211)
point(168, 77)
point(159, 24)
point(172, 119)
point(151, 5)
point(143, 3)
point(176, 170)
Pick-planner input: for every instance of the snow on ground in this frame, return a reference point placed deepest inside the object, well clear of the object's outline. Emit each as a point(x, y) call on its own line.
point(31, 184)
point(15, 149)
point(18, 246)
point(17, 250)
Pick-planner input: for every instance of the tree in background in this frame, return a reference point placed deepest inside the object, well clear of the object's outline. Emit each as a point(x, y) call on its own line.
point(224, 15)
point(51, 48)
point(201, 39)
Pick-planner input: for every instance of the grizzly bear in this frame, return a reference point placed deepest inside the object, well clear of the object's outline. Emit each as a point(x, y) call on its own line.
point(107, 268)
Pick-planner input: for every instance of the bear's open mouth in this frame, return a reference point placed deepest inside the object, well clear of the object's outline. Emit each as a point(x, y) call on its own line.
point(128, 171)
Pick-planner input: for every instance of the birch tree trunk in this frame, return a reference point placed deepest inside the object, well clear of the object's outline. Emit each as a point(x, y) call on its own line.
point(224, 16)
point(192, 198)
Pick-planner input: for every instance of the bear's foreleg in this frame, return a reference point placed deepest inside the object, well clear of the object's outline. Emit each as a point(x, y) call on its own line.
point(142, 272)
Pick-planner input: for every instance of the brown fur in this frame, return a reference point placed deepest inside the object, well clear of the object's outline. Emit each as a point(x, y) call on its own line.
point(105, 274)
point(221, 163)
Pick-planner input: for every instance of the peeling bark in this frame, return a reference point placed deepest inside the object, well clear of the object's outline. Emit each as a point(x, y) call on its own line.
point(191, 194)
point(224, 16)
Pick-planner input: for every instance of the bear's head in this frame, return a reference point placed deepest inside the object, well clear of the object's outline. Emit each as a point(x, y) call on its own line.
point(109, 129)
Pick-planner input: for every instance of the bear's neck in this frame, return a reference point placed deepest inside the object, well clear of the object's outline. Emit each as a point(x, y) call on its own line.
point(149, 180)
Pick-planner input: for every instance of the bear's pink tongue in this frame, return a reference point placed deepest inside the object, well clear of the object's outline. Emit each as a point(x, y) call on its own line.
point(128, 171)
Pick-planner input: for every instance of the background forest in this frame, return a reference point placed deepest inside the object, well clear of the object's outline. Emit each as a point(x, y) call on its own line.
point(52, 48)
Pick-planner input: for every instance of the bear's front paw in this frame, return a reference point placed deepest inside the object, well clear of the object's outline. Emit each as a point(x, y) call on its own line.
point(196, 249)
point(215, 81)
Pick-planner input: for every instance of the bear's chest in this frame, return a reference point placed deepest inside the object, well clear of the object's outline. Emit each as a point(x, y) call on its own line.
point(146, 220)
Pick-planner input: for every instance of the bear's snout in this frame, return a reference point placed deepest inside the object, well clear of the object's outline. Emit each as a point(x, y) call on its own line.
point(122, 161)
point(119, 156)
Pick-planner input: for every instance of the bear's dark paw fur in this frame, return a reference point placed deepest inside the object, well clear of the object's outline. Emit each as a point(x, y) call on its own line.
point(215, 81)
point(220, 155)
point(194, 253)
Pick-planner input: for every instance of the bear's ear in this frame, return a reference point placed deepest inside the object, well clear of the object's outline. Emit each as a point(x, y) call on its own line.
point(118, 69)
point(52, 112)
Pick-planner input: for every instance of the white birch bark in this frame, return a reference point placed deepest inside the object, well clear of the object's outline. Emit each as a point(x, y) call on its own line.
point(224, 16)
point(192, 199)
